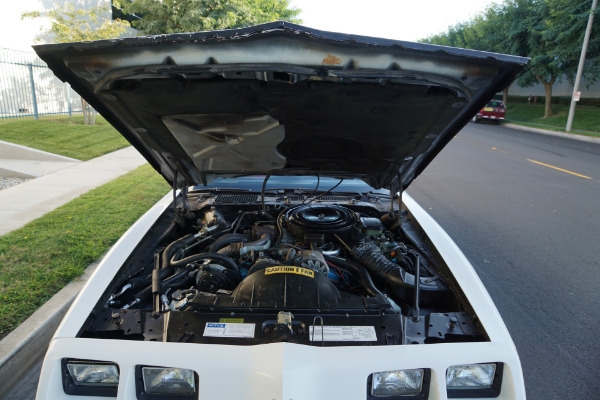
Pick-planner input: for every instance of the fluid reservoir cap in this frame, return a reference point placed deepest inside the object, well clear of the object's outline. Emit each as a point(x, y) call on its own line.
point(284, 318)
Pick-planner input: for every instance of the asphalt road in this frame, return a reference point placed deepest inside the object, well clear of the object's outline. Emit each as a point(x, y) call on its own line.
point(525, 210)
point(532, 233)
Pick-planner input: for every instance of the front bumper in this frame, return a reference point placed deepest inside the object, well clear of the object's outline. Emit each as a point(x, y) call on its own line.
point(279, 371)
point(493, 116)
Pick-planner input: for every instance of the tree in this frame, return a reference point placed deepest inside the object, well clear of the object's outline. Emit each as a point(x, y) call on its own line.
point(71, 24)
point(486, 32)
point(519, 27)
point(154, 17)
point(551, 33)
point(501, 35)
point(529, 22)
point(566, 26)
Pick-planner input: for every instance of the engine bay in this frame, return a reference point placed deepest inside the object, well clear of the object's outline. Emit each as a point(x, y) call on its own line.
point(247, 269)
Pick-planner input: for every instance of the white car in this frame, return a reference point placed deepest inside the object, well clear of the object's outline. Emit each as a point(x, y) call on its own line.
point(288, 263)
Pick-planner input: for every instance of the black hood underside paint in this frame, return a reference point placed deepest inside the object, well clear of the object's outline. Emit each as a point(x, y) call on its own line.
point(282, 99)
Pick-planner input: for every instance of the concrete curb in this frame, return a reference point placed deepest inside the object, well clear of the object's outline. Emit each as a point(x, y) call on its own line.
point(16, 151)
point(23, 162)
point(582, 138)
point(14, 173)
point(22, 348)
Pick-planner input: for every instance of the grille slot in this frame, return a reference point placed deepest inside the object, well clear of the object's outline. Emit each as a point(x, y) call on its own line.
point(335, 198)
point(236, 198)
point(322, 198)
point(294, 198)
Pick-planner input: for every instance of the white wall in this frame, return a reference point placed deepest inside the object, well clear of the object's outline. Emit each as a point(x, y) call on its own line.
point(562, 89)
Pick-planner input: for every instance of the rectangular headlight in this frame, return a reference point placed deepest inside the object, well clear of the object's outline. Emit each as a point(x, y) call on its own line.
point(168, 380)
point(90, 378)
point(94, 374)
point(474, 380)
point(165, 382)
point(405, 384)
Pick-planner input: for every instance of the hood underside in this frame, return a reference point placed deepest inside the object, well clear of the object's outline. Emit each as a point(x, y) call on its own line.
point(282, 99)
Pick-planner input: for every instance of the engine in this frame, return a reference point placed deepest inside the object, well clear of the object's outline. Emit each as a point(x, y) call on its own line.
point(321, 274)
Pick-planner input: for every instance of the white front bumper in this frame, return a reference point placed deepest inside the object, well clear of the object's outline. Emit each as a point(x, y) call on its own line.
point(279, 371)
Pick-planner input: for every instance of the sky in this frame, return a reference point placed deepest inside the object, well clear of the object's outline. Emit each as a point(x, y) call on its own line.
point(408, 20)
point(19, 34)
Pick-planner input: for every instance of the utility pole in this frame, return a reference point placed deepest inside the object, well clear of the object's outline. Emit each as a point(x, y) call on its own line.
point(588, 32)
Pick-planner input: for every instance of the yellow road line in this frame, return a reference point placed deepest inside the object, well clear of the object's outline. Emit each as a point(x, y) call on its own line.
point(499, 150)
point(560, 169)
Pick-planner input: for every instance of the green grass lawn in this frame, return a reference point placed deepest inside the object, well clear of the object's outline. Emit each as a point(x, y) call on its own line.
point(65, 136)
point(38, 260)
point(586, 118)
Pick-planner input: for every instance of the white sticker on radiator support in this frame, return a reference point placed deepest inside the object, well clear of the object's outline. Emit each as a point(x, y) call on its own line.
point(229, 330)
point(343, 334)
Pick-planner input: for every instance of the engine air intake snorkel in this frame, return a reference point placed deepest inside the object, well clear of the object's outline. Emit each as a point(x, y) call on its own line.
point(394, 276)
point(235, 244)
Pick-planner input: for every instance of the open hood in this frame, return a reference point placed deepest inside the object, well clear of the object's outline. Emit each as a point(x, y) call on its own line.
point(282, 99)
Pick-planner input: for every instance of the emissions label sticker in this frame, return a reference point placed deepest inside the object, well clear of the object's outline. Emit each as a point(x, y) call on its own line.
point(343, 334)
point(229, 330)
point(284, 269)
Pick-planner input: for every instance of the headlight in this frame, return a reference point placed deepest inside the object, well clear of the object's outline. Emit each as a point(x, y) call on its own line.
point(404, 384)
point(474, 380)
point(90, 378)
point(164, 382)
point(94, 374)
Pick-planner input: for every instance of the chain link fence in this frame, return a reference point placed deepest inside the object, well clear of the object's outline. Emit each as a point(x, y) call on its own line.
point(28, 89)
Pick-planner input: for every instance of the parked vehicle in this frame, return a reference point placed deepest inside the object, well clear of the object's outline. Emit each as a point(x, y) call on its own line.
point(493, 110)
point(288, 263)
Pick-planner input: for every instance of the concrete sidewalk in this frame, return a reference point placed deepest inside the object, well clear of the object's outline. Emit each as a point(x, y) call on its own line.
point(30, 200)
